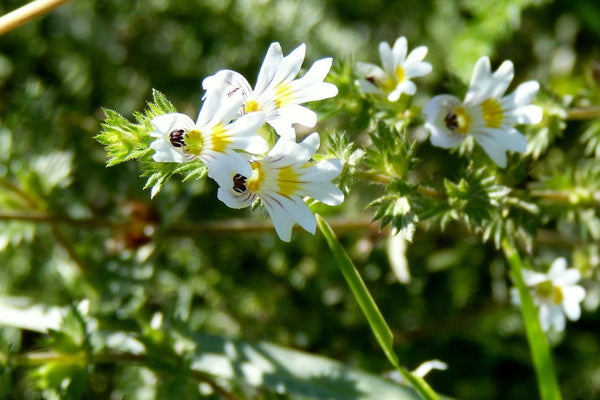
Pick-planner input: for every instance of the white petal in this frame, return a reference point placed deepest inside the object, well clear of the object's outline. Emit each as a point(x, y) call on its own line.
point(288, 152)
point(387, 57)
point(227, 81)
point(557, 318)
point(324, 171)
point(165, 124)
point(530, 114)
point(298, 211)
point(502, 78)
point(233, 199)
point(486, 85)
point(226, 166)
point(367, 70)
point(297, 114)
point(325, 192)
point(243, 133)
point(317, 72)
point(491, 141)
point(316, 91)
point(282, 220)
point(568, 277)
point(532, 278)
point(405, 86)
point(283, 127)
point(164, 152)
point(273, 59)
point(524, 94)
point(573, 296)
point(545, 317)
point(290, 66)
point(416, 56)
point(220, 109)
point(416, 70)
point(557, 268)
point(513, 140)
point(367, 87)
point(400, 48)
point(436, 110)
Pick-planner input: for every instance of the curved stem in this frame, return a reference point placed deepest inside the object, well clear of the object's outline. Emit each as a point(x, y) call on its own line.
point(28, 12)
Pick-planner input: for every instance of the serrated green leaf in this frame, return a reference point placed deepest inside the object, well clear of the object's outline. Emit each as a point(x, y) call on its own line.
point(125, 140)
point(159, 173)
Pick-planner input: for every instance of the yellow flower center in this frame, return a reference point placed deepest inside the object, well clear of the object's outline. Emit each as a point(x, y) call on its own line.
point(558, 295)
point(288, 181)
point(391, 82)
point(284, 95)
point(194, 142)
point(258, 176)
point(251, 106)
point(458, 120)
point(548, 291)
point(220, 138)
point(400, 74)
point(492, 113)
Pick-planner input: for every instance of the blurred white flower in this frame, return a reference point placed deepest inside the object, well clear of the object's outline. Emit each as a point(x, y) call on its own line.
point(277, 93)
point(281, 180)
point(485, 114)
point(212, 136)
point(398, 69)
point(555, 293)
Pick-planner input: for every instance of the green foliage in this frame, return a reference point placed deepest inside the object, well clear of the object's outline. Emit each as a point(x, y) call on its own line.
point(392, 152)
point(125, 140)
point(184, 293)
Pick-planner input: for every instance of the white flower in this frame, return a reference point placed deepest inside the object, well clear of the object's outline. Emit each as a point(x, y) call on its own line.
point(277, 93)
point(179, 139)
point(556, 294)
point(280, 180)
point(485, 114)
point(398, 69)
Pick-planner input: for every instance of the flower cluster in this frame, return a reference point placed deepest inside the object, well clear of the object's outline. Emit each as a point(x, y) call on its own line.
point(556, 293)
point(486, 114)
point(224, 137)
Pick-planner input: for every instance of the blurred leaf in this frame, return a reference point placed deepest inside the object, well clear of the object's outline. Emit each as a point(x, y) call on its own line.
point(53, 170)
point(289, 372)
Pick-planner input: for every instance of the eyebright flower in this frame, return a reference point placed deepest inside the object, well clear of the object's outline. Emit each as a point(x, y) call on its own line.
point(280, 180)
point(179, 139)
point(556, 294)
point(398, 69)
point(485, 114)
point(277, 93)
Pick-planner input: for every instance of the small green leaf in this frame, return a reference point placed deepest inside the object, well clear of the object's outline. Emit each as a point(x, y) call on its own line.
point(159, 173)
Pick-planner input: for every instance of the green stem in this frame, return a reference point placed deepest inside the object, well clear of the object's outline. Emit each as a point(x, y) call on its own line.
point(363, 297)
point(538, 344)
point(583, 113)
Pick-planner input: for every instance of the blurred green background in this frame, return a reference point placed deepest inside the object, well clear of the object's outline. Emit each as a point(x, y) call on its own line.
point(56, 74)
